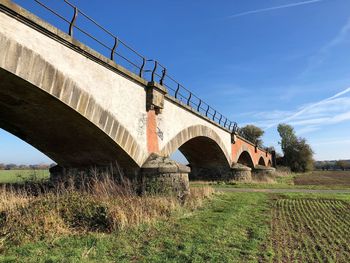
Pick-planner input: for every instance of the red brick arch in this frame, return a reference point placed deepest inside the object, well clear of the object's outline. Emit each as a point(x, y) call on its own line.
point(192, 132)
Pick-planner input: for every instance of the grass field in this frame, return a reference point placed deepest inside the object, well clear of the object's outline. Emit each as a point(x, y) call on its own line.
point(18, 176)
point(324, 178)
point(312, 180)
point(309, 230)
point(230, 228)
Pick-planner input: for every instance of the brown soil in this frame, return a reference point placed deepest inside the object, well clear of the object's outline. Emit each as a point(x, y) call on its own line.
point(309, 230)
point(324, 178)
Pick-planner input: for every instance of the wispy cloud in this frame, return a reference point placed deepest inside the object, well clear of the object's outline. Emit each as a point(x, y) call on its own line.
point(313, 108)
point(311, 117)
point(321, 55)
point(262, 10)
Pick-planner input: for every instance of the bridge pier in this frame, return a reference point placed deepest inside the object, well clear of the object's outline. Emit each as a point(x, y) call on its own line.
point(261, 170)
point(161, 175)
point(241, 173)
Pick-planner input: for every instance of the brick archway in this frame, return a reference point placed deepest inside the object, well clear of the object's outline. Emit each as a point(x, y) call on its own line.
point(262, 161)
point(246, 159)
point(203, 149)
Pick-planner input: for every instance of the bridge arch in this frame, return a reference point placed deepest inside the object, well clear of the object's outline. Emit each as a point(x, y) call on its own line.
point(261, 161)
point(246, 159)
point(193, 142)
point(43, 107)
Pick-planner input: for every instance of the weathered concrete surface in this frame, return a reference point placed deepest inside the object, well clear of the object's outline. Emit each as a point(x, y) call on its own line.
point(241, 173)
point(100, 95)
point(163, 175)
point(260, 170)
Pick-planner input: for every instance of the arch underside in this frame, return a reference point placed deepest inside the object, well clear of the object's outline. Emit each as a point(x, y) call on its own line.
point(54, 128)
point(206, 159)
point(246, 159)
point(261, 161)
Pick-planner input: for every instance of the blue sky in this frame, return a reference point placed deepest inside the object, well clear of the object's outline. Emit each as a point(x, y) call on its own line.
point(261, 62)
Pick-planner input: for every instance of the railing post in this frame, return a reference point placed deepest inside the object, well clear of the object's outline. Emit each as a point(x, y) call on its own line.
point(154, 69)
point(163, 76)
point(199, 105)
point(214, 115)
point(206, 113)
point(72, 23)
point(189, 99)
point(116, 42)
point(177, 90)
point(142, 67)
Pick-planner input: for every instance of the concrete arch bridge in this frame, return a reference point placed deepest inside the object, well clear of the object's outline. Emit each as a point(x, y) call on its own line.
point(82, 109)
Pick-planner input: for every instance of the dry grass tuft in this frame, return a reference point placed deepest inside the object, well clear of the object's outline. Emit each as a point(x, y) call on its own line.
point(103, 203)
point(264, 178)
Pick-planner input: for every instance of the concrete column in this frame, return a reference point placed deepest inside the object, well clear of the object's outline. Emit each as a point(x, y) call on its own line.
point(162, 175)
point(241, 173)
point(261, 170)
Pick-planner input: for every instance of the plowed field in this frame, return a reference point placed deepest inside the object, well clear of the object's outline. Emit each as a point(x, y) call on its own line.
point(310, 230)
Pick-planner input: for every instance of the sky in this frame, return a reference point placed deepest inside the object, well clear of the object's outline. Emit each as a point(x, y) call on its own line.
point(258, 62)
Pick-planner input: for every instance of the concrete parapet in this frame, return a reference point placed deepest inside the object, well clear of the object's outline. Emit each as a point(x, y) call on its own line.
point(241, 173)
point(163, 175)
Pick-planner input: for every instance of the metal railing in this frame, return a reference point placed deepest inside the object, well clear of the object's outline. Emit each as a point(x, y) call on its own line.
point(142, 66)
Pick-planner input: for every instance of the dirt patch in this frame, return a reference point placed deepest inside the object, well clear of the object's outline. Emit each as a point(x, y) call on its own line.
point(324, 178)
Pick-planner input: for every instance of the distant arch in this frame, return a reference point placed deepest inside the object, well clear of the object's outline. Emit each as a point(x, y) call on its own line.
point(261, 161)
point(269, 164)
point(246, 159)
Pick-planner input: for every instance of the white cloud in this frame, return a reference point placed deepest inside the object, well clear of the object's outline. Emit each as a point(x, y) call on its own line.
point(311, 117)
point(268, 9)
point(309, 111)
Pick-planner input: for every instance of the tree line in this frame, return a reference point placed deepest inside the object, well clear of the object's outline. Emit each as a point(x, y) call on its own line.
point(12, 166)
point(297, 153)
point(333, 165)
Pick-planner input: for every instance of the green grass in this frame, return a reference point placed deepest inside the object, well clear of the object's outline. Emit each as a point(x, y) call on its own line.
point(20, 176)
point(229, 228)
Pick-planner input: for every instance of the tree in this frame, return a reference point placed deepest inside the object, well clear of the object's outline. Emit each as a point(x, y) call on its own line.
point(297, 152)
point(342, 164)
point(253, 134)
point(10, 166)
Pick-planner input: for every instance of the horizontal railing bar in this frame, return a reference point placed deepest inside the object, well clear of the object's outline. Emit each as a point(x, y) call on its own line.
point(52, 11)
point(104, 29)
